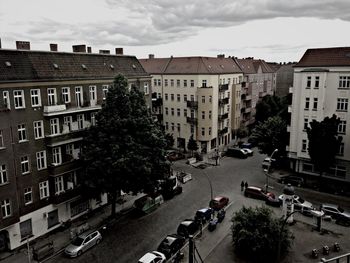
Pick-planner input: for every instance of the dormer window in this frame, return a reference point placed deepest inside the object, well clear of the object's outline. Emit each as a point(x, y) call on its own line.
point(8, 63)
point(83, 66)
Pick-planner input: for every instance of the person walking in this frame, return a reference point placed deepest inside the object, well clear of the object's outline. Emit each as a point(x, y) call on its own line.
point(242, 186)
point(246, 184)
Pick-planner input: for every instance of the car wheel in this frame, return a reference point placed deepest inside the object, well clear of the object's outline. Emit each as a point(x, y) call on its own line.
point(98, 241)
point(79, 253)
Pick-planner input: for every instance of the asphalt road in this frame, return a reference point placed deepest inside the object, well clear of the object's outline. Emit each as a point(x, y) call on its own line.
point(133, 235)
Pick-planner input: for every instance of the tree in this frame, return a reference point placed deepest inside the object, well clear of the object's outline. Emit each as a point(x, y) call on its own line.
point(242, 132)
point(192, 145)
point(169, 138)
point(271, 106)
point(256, 233)
point(126, 149)
point(324, 143)
point(270, 135)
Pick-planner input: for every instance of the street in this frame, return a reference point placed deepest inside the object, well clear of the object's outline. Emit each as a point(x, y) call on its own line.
point(133, 236)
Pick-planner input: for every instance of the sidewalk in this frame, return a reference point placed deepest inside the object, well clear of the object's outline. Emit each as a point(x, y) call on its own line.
point(61, 239)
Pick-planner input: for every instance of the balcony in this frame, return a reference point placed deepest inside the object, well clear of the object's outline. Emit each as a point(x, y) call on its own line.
point(59, 169)
point(290, 90)
point(65, 196)
point(191, 120)
point(223, 116)
point(223, 101)
point(289, 109)
point(157, 102)
point(223, 87)
point(223, 131)
point(64, 138)
point(206, 87)
point(192, 104)
point(55, 110)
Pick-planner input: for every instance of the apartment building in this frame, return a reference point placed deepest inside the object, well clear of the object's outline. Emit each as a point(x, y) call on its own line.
point(259, 80)
point(193, 96)
point(321, 89)
point(47, 101)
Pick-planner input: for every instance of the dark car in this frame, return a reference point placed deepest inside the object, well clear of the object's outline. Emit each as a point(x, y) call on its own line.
point(188, 227)
point(171, 244)
point(236, 152)
point(218, 202)
point(258, 193)
point(334, 211)
point(343, 220)
point(203, 215)
point(291, 179)
point(273, 201)
point(174, 155)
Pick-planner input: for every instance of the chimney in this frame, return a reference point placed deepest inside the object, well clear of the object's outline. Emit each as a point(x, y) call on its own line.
point(119, 51)
point(150, 56)
point(53, 47)
point(79, 48)
point(89, 50)
point(104, 51)
point(25, 45)
point(221, 56)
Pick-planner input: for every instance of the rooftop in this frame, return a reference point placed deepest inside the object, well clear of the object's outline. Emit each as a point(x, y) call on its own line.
point(325, 57)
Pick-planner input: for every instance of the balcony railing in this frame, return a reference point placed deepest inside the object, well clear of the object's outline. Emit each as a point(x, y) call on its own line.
point(191, 120)
point(157, 102)
point(223, 87)
point(223, 131)
point(223, 101)
point(192, 104)
point(54, 110)
point(223, 116)
point(58, 169)
point(52, 141)
point(65, 196)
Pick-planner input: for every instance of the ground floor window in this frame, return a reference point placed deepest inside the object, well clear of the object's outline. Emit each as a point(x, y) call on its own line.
point(78, 207)
point(307, 167)
point(26, 229)
point(337, 171)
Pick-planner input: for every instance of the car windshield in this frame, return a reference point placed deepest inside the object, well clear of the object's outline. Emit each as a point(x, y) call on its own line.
point(77, 241)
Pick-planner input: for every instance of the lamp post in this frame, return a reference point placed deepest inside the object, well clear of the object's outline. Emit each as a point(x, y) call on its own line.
point(268, 170)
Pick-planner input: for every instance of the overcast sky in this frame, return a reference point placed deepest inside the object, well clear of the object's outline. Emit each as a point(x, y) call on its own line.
point(274, 30)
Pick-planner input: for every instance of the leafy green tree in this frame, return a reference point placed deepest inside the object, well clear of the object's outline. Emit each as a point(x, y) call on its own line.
point(256, 234)
point(270, 135)
point(242, 132)
point(192, 145)
point(169, 140)
point(271, 106)
point(324, 143)
point(126, 149)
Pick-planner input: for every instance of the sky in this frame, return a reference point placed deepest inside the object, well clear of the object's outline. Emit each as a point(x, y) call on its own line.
point(273, 30)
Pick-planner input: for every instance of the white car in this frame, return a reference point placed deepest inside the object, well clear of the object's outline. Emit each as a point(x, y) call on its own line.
point(82, 243)
point(248, 151)
point(300, 204)
point(152, 257)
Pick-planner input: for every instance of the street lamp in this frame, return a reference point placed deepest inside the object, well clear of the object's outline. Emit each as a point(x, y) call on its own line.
point(268, 170)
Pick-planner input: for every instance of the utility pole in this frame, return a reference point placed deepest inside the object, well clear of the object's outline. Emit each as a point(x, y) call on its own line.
point(190, 249)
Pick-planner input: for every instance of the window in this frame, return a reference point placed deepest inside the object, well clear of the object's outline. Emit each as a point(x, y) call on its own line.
point(344, 82)
point(145, 88)
point(104, 91)
point(210, 115)
point(203, 131)
point(210, 98)
point(192, 83)
point(18, 96)
point(44, 189)
point(185, 82)
point(172, 97)
point(204, 83)
point(93, 96)
point(192, 97)
point(166, 125)
point(154, 82)
point(38, 129)
point(166, 83)
point(166, 111)
point(159, 82)
point(185, 97)
point(80, 120)
point(341, 149)
point(93, 118)
point(69, 149)
point(28, 196)
point(5, 208)
point(342, 104)
point(185, 112)
point(315, 104)
point(51, 96)
point(203, 115)
point(342, 127)
point(166, 96)
point(26, 228)
point(307, 103)
point(178, 112)
point(67, 121)
point(172, 126)
point(56, 156)
point(22, 134)
point(308, 82)
point(35, 97)
point(79, 96)
point(172, 111)
point(2, 145)
point(54, 126)
point(178, 127)
point(172, 83)
point(178, 97)
point(25, 165)
point(209, 130)
point(306, 123)
point(317, 82)
point(41, 160)
point(178, 83)
point(304, 146)
point(192, 129)
point(203, 99)
point(6, 98)
point(3, 174)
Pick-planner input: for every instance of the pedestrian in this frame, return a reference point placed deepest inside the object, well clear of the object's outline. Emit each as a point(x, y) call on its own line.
point(242, 186)
point(246, 184)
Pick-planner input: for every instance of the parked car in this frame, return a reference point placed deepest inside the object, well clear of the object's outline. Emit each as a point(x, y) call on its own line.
point(218, 202)
point(171, 244)
point(273, 201)
point(153, 257)
point(188, 227)
point(300, 204)
point(203, 215)
point(248, 151)
point(334, 211)
point(82, 243)
point(291, 179)
point(236, 152)
point(246, 145)
point(147, 204)
point(173, 155)
point(268, 162)
point(258, 193)
point(343, 220)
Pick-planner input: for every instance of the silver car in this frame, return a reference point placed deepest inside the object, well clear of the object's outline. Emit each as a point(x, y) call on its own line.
point(300, 204)
point(82, 243)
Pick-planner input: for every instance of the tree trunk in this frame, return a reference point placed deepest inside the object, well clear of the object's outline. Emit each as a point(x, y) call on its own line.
point(113, 201)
